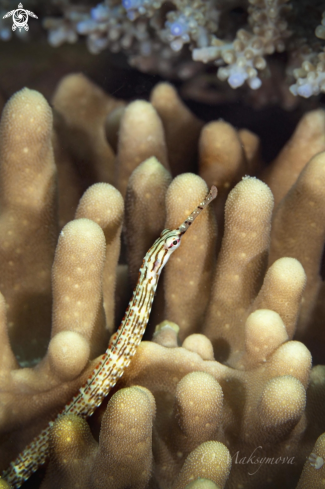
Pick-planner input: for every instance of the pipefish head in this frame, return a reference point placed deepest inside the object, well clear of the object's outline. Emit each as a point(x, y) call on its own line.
point(170, 240)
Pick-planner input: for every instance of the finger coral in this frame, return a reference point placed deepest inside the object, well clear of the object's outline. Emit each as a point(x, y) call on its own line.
point(28, 225)
point(224, 396)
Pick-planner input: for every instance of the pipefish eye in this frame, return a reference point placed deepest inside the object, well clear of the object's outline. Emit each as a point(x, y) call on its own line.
point(172, 242)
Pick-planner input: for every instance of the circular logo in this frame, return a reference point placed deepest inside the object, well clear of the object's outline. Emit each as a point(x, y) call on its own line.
point(20, 19)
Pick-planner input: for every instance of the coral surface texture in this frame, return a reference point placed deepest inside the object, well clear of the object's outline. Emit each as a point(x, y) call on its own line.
point(227, 390)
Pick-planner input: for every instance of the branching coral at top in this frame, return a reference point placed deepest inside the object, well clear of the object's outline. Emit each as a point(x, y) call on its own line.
point(174, 38)
point(245, 56)
point(310, 76)
point(141, 27)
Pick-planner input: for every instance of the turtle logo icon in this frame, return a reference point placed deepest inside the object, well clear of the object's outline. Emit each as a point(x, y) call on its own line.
point(20, 18)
